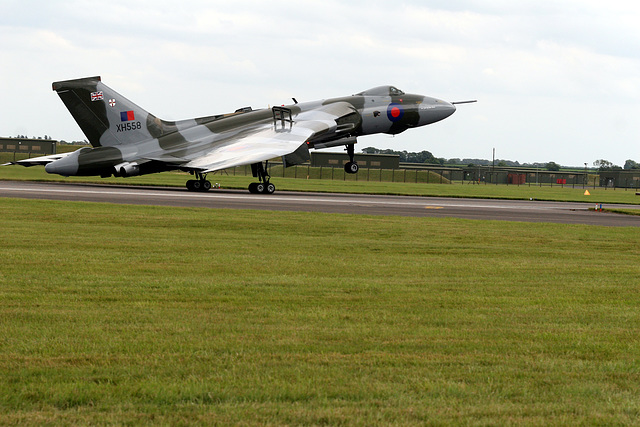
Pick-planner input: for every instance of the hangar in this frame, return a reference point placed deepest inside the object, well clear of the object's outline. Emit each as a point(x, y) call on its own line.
point(28, 145)
point(371, 161)
point(620, 178)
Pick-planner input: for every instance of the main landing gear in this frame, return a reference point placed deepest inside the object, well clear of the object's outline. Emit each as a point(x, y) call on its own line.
point(351, 166)
point(263, 186)
point(199, 184)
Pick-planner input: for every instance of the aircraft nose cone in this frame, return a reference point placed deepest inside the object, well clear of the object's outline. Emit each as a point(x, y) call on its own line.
point(446, 109)
point(433, 110)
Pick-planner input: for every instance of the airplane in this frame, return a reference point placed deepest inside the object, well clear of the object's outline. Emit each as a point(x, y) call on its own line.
point(126, 140)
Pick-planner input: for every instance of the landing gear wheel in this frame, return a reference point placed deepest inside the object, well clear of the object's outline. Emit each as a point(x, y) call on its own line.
point(269, 188)
point(263, 186)
point(351, 167)
point(200, 184)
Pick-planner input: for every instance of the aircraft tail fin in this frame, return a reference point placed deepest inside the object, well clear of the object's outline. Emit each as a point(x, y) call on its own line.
point(106, 117)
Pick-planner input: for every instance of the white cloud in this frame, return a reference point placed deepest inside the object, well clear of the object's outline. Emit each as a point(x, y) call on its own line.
point(555, 80)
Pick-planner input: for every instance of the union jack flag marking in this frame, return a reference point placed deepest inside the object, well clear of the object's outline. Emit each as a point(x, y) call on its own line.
point(97, 96)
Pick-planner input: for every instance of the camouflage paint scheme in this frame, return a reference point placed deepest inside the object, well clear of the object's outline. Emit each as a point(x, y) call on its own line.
point(127, 140)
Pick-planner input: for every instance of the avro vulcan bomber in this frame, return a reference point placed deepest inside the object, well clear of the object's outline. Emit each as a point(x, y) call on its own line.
point(127, 140)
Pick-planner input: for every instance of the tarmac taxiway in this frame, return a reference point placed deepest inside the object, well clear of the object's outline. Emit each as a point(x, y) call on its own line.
point(480, 209)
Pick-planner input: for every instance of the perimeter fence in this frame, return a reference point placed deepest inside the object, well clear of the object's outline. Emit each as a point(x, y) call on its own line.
point(411, 173)
point(467, 176)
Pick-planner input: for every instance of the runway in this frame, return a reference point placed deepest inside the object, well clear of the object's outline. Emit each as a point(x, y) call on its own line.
point(480, 209)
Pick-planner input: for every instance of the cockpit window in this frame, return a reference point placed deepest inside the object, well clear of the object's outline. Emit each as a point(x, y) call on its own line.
point(382, 91)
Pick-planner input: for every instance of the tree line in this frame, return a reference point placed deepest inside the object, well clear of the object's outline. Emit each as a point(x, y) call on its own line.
point(49, 138)
point(605, 165)
point(46, 137)
point(427, 157)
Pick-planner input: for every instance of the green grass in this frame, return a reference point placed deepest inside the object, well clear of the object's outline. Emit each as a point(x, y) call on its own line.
point(134, 315)
point(635, 212)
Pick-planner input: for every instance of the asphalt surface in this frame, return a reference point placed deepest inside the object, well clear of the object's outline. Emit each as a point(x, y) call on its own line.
point(481, 209)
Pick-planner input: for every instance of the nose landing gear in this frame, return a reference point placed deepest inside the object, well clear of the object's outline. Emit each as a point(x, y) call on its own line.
point(351, 166)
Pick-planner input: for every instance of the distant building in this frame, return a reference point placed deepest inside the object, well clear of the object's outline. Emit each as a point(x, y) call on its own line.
point(371, 161)
point(629, 178)
point(28, 145)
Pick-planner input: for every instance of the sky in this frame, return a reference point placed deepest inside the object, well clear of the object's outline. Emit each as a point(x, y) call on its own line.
point(555, 80)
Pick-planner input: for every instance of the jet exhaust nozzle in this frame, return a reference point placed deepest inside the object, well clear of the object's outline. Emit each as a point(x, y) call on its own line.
point(126, 169)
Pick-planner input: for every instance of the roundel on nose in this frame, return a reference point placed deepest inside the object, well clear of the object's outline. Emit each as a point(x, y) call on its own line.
point(395, 112)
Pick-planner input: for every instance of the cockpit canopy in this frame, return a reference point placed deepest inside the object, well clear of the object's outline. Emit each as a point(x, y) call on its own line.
point(382, 91)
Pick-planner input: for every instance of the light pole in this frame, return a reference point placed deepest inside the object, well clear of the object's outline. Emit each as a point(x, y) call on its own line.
point(585, 175)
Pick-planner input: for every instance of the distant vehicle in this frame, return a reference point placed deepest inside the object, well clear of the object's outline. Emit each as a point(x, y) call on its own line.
point(128, 141)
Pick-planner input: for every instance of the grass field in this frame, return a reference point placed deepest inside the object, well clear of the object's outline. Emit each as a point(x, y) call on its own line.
point(135, 315)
